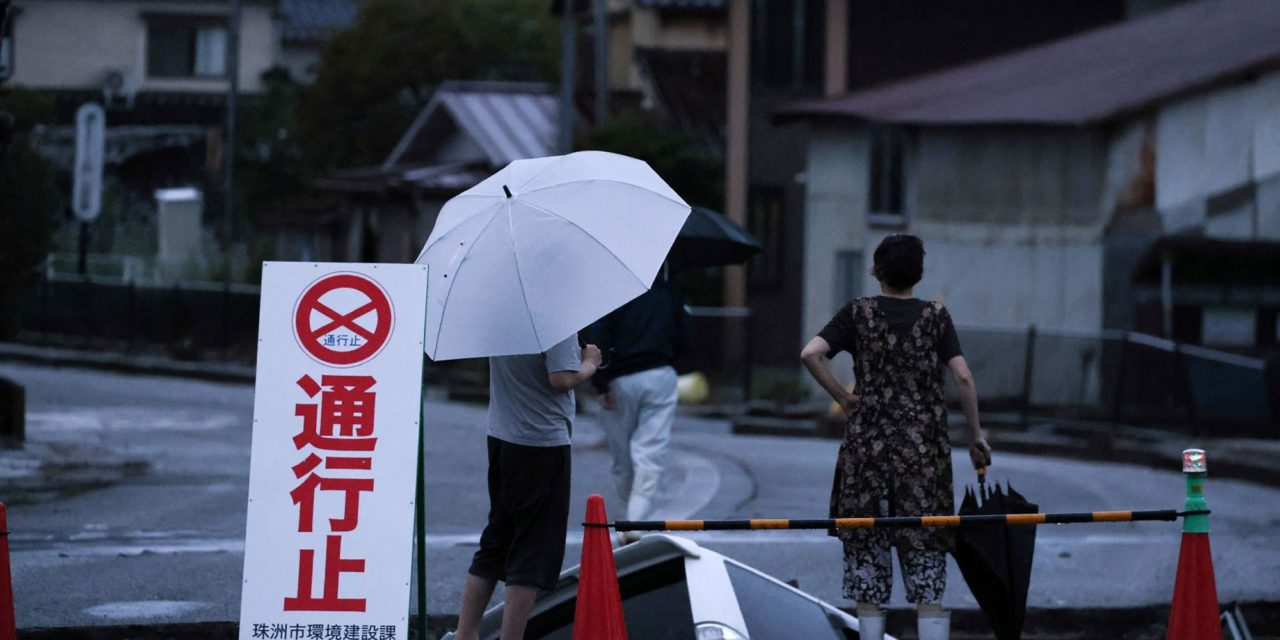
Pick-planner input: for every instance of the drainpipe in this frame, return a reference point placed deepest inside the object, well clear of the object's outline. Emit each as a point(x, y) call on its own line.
point(1166, 293)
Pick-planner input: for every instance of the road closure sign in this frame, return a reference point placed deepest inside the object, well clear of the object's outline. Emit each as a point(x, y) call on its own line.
point(329, 539)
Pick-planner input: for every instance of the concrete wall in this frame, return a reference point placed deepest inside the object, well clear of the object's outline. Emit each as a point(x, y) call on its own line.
point(835, 221)
point(1211, 144)
point(1012, 221)
point(74, 44)
point(1006, 176)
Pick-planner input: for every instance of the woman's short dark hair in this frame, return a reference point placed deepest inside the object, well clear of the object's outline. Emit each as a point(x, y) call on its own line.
point(899, 261)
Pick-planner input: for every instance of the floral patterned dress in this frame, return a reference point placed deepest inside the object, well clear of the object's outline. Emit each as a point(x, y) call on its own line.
point(895, 458)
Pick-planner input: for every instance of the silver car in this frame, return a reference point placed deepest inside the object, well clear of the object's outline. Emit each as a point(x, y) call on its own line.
point(673, 589)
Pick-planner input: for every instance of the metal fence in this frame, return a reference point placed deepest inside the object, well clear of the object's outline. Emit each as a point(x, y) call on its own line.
point(186, 317)
point(1125, 377)
point(1113, 376)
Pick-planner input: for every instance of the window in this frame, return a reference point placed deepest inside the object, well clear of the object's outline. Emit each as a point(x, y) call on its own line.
point(6, 42)
point(655, 603)
point(774, 612)
point(886, 180)
point(848, 277)
point(186, 48)
point(788, 40)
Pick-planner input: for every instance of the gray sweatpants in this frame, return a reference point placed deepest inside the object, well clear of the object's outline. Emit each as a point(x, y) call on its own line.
point(637, 431)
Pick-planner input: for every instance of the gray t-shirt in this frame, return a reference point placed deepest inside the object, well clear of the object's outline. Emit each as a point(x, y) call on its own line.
point(523, 407)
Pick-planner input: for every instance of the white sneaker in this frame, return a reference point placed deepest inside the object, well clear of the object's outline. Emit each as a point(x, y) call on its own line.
point(935, 627)
point(871, 626)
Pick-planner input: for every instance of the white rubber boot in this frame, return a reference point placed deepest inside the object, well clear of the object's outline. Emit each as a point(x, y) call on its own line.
point(871, 626)
point(935, 627)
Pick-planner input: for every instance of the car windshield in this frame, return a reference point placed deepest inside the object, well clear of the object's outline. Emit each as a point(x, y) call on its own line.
point(774, 612)
point(655, 601)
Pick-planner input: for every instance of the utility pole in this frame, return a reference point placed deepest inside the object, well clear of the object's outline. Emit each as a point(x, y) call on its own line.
point(602, 62)
point(568, 69)
point(229, 135)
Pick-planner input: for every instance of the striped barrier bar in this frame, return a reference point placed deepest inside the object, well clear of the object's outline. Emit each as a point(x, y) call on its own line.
point(1167, 515)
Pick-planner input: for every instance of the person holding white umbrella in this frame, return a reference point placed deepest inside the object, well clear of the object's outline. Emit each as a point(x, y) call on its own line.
point(517, 265)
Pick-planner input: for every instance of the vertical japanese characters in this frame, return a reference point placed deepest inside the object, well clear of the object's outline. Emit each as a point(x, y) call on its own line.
point(335, 443)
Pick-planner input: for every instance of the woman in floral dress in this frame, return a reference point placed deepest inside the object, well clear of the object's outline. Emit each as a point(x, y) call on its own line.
point(895, 458)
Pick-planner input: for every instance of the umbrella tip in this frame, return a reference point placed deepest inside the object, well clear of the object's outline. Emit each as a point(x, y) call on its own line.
point(506, 190)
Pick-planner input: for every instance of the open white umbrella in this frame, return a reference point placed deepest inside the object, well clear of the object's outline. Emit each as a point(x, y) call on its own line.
point(543, 248)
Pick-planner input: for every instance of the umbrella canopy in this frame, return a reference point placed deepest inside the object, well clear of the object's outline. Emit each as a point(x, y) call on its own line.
point(709, 239)
point(995, 559)
point(543, 248)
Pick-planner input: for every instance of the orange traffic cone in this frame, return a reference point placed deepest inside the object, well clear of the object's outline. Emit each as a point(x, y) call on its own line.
point(1194, 613)
point(599, 611)
point(8, 626)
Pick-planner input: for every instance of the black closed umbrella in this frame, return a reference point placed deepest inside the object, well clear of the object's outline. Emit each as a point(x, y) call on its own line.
point(995, 559)
point(709, 239)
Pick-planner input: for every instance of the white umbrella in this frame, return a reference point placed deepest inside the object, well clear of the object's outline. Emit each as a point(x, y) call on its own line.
point(543, 248)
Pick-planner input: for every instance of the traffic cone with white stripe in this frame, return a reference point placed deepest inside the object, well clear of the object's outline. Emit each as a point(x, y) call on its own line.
point(599, 610)
point(1194, 613)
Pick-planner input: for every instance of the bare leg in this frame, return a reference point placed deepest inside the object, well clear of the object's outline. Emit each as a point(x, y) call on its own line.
point(475, 595)
point(516, 605)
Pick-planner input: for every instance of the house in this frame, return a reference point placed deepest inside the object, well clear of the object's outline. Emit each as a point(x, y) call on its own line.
point(159, 68)
point(466, 132)
point(784, 51)
point(1072, 185)
point(662, 56)
point(166, 60)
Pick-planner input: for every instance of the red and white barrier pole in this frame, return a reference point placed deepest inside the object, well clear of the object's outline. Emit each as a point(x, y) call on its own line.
point(8, 624)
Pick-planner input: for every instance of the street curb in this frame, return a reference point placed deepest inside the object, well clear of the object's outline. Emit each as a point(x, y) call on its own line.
point(1096, 446)
point(137, 364)
point(1135, 623)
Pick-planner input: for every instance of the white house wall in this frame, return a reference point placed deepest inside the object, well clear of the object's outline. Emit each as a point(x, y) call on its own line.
point(1049, 276)
point(74, 44)
point(1012, 224)
point(835, 220)
point(1214, 142)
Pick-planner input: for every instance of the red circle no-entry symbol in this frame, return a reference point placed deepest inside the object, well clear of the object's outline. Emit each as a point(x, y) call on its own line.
point(335, 330)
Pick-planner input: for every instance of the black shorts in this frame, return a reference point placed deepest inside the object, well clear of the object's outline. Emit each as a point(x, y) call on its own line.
point(523, 544)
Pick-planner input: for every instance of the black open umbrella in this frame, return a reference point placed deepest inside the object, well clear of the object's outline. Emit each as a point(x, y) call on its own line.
point(709, 239)
point(995, 559)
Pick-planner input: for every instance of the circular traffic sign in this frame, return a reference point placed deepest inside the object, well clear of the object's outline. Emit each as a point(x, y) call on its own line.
point(342, 336)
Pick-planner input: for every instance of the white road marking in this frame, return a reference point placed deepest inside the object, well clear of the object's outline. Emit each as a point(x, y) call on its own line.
point(144, 609)
point(151, 542)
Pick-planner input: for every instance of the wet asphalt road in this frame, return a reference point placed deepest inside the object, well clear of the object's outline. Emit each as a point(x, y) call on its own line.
point(167, 545)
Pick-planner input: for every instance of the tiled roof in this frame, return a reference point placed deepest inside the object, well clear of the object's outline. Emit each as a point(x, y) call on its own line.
point(304, 21)
point(1093, 77)
point(507, 120)
point(683, 4)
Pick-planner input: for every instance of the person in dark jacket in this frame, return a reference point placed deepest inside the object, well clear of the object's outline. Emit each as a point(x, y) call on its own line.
point(637, 387)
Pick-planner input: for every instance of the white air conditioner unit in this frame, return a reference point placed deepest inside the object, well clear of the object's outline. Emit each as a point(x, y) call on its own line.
point(119, 86)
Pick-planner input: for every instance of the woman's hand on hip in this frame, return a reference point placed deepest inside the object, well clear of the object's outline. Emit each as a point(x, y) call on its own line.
point(848, 403)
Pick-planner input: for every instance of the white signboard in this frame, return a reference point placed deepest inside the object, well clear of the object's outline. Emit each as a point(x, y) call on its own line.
point(335, 434)
point(91, 137)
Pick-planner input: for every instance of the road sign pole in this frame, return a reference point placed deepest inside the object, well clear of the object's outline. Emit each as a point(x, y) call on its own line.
point(420, 525)
point(82, 264)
